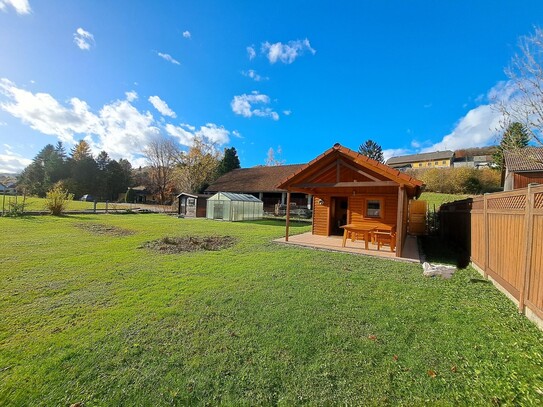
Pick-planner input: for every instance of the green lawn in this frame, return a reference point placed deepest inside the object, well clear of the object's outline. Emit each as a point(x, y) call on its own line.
point(90, 317)
point(437, 199)
point(35, 204)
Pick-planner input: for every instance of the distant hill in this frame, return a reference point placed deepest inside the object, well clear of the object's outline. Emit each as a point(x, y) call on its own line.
point(475, 151)
point(8, 178)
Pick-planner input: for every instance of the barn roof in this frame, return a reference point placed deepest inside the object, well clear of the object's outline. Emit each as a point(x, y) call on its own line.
point(413, 158)
point(255, 179)
point(524, 159)
point(338, 152)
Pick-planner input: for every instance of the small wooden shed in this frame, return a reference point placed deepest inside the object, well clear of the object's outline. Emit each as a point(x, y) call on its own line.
point(350, 188)
point(192, 205)
point(234, 207)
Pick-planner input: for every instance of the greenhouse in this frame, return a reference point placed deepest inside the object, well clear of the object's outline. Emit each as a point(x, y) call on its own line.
point(234, 207)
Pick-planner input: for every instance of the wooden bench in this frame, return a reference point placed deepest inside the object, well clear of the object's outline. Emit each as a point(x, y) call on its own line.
point(382, 237)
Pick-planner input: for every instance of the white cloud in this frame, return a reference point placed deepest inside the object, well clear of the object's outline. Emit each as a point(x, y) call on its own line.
point(187, 34)
point(184, 136)
point(254, 76)
point(131, 96)
point(210, 133)
point(214, 134)
point(3, 124)
point(243, 105)
point(477, 128)
point(162, 107)
point(83, 39)
point(118, 127)
point(20, 6)
point(168, 58)
point(286, 53)
point(287, 112)
point(251, 52)
point(45, 114)
point(12, 163)
point(394, 152)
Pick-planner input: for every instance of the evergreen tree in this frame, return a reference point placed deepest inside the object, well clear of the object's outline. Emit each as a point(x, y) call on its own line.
point(372, 150)
point(229, 162)
point(102, 160)
point(47, 168)
point(514, 137)
point(81, 150)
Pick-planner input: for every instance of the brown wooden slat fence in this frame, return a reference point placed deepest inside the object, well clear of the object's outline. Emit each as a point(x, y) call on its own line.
point(503, 233)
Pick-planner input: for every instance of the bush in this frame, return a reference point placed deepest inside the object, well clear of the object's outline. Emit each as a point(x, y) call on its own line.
point(56, 199)
point(15, 209)
point(461, 180)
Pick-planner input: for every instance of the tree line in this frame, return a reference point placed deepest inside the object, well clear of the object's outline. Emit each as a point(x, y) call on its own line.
point(169, 170)
point(79, 172)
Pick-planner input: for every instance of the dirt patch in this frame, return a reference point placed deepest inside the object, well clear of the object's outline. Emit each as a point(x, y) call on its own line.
point(172, 245)
point(103, 230)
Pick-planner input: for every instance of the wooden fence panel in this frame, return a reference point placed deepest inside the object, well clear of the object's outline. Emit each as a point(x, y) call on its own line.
point(477, 238)
point(504, 235)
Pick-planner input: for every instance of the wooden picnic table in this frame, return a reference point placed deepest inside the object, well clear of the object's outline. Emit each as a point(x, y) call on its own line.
point(353, 230)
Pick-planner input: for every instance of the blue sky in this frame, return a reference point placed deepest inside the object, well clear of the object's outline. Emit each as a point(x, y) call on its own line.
point(295, 76)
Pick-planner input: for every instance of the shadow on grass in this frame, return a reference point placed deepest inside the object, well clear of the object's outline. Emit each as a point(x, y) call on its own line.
point(279, 222)
point(439, 251)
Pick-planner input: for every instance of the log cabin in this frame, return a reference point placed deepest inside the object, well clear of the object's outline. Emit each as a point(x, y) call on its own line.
point(350, 188)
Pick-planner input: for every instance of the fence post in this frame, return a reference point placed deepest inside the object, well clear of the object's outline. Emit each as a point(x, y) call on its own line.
point(528, 233)
point(486, 238)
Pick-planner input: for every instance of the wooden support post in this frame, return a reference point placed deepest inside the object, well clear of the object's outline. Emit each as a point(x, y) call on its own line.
point(288, 216)
point(399, 221)
point(528, 233)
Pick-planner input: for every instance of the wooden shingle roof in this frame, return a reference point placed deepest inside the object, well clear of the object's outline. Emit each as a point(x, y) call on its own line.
point(255, 179)
point(524, 159)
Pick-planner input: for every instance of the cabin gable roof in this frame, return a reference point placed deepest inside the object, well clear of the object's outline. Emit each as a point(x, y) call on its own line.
point(340, 166)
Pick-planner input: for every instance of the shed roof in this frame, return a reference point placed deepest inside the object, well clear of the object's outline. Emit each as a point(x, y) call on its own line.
point(524, 159)
point(193, 195)
point(413, 158)
point(230, 196)
point(255, 179)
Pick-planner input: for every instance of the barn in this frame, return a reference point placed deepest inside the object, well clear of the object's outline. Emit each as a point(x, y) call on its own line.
point(351, 189)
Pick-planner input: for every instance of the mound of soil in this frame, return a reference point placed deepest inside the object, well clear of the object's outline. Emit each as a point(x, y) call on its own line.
point(103, 230)
point(172, 245)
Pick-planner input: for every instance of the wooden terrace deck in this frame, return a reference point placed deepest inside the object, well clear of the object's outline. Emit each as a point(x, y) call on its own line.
point(334, 243)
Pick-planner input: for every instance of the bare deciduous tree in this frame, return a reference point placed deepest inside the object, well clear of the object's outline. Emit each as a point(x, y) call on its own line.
point(524, 102)
point(162, 154)
point(272, 159)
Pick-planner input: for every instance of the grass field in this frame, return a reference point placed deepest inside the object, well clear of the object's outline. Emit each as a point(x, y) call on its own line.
point(88, 316)
point(35, 204)
point(436, 199)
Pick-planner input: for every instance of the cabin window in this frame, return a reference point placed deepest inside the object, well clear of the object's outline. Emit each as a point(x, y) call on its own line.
point(444, 162)
point(374, 208)
point(437, 163)
point(191, 202)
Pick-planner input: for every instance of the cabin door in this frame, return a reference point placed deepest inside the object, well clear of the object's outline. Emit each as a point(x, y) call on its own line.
point(338, 214)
